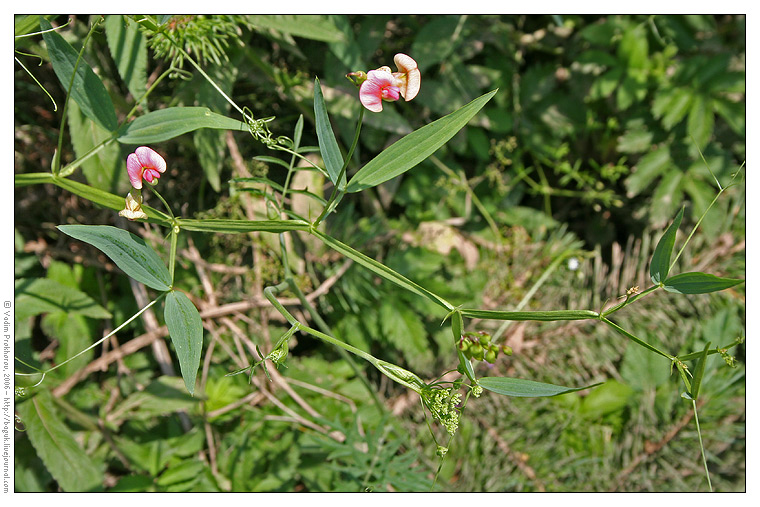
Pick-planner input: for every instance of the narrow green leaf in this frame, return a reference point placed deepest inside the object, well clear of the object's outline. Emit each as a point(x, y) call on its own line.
point(129, 51)
point(171, 122)
point(547, 316)
point(87, 90)
point(525, 388)
point(43, 295)
point(186, 331)
point(415, 147)
point(380, 269)
point(328, 146)
point(69, 465)
point(698, 283)
point(95, 195)
point(699, 372)
point(238, 226)
point(660, 265)
point(135, 257)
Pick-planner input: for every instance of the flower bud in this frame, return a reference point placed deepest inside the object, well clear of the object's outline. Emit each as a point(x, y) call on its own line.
point(507, 350)
point(484, 339)
point(357, 77)
point(490, 356)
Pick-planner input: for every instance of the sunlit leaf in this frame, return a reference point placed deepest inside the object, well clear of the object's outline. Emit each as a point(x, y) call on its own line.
point(660, 265)
point(171, 122)
point(186, 331)
point(698, 283)
point(87, 90)
point(328, 146)
point(133, 255)
point(415, 147)
point(525, 388)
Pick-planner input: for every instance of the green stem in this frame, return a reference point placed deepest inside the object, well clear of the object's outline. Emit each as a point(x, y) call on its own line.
point(524, 301)
point(153, 189)
point(390, 370)
point(326, 328)
point(694, 229)
point(173, 251)
point(290, 281)
point(701, 445)
point(637, 340)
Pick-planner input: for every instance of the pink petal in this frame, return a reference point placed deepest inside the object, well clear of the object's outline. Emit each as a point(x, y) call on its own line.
point(370, 95)
point(381, 76)
point(134, 170)
point(149, 158)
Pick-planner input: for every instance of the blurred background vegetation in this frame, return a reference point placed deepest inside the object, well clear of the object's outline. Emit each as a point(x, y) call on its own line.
point(552, 197)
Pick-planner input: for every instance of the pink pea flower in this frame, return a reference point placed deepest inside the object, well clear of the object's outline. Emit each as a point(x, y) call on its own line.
point(379, 86)
point(145, 164)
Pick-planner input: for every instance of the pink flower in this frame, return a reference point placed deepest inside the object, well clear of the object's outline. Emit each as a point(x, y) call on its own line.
point(145, 164)
point(379, 86)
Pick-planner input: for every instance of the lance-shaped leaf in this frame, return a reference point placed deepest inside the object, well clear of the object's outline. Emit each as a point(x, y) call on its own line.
point(660, 265)
point(415, 147)
point(135, 257)
point(186, 331)
point(129, 50)
point(328, 146)
point(100, 197)
point(87, 90)
point(525, 388)
point(171, 122)
point(54, 442)
point(698, 283)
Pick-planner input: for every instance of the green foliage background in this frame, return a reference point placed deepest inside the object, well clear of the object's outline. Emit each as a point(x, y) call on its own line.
point(587, 151)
